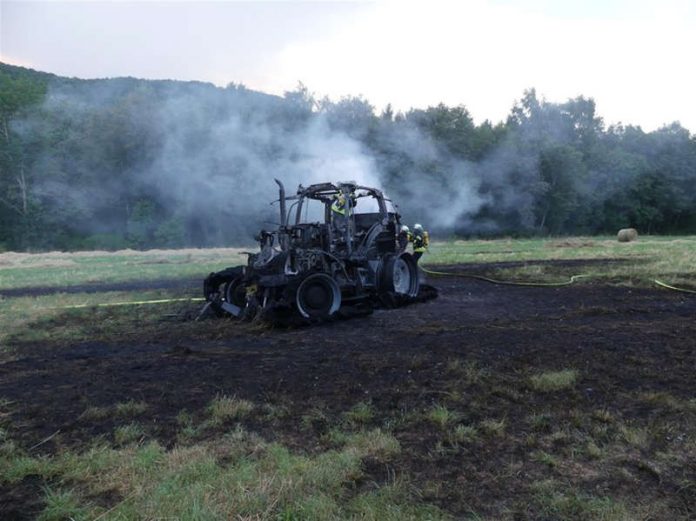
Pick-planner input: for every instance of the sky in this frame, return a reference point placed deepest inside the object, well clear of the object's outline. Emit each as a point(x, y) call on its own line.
point(634, 57)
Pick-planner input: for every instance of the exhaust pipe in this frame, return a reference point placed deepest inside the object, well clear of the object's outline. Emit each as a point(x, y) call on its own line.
point(281, 196)
point(282, 234)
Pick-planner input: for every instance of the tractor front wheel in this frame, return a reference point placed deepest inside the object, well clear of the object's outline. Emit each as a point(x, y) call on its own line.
point(400, 275)
point(318, 296)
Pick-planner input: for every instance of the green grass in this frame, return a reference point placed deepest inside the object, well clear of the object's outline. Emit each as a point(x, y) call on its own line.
point(130, 433)
point(224, 408)
point(671, 259)
point(442, 416)
point(463, 434)
point(237, 476)
point(554, 380)
point(130, 408)
point(649, 256)
point(545, 458)
point(61, 505)
point(49, 317)
point(540, 422)
point(375, 443)
point(42, 318)
point(359, 414)
point(552, 502)
point(68, 269)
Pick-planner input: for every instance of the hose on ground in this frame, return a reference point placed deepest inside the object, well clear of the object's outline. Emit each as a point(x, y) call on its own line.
point(673, 288)
point(134, 303)
point(568, 282)
point(504, 282)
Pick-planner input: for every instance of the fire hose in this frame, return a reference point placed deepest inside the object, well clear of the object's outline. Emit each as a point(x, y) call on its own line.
point(504, 282)
point(664, 285)
point(568, 282)
point(133, 303)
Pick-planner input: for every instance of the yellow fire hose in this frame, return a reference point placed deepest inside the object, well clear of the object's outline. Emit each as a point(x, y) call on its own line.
point(504, 282)
point(664, 285)
point(538, 284)
point(568, 282)
point(134, 303)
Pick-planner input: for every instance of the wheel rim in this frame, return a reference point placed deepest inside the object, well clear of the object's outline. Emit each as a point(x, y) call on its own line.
point(318, 296)
point(401, 277)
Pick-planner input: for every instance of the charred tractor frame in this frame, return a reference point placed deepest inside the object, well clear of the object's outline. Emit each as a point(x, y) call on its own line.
point(312, 269)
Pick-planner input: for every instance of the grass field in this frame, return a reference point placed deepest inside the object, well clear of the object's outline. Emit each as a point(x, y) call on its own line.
point(647, 258)
point(638, 264)
point(669, 258)
point(467, 431)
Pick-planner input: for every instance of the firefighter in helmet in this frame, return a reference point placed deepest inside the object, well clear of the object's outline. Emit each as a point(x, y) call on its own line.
point(404, 238)
point(340, 211)
point(421, 241)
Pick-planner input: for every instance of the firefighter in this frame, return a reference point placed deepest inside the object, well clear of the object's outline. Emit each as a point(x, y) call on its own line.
point(340, 211)
point(421, 241)
point(404, 237)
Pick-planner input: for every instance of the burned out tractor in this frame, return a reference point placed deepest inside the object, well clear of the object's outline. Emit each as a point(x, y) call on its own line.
point(319, 261)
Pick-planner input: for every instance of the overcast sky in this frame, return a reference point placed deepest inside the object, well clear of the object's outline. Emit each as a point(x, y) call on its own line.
point(634, 57)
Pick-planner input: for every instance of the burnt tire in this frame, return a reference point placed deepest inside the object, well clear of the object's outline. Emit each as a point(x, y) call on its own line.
point(318, 296)
point(215, 287)
point(235, 292)
point(400, 276)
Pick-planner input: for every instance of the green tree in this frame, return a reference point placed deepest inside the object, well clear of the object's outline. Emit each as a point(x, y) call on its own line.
point(561, 168)
point(19, 94)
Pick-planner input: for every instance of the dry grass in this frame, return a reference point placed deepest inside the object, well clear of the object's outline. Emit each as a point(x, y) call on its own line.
point(493, 428)
point(463, 434)
point(469, 371)
point(224, 408)
point(130, 408)
point(635, 436)
point(95, 413)
point(15, 259)
point(69, 269)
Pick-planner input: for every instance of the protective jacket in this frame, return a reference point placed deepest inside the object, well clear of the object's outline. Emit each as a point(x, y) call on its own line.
point(339, 203)
point(421, 241)
point(404, 238)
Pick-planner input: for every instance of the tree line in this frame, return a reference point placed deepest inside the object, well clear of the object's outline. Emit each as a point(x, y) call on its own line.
point(87, 163)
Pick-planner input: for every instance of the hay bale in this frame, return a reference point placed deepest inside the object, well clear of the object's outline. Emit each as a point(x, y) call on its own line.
point(627, 235)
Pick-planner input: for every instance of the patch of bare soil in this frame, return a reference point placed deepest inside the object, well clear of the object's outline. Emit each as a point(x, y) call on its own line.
point(471, 350)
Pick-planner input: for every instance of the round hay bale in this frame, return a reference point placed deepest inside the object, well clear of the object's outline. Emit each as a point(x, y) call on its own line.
point(627, 235)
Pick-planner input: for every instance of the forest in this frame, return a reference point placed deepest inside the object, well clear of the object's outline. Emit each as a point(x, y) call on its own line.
point(129, 163)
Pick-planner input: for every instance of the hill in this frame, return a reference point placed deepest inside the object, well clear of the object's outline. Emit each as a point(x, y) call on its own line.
point(125, 162)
